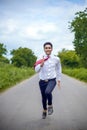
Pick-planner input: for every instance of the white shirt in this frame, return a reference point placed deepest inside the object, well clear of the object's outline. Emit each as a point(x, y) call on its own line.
point(51, 68)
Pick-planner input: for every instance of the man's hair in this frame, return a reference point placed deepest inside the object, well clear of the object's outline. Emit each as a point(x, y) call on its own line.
point(48, 43)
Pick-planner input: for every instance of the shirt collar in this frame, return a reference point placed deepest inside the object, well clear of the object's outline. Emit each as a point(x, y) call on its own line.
point(47, 55)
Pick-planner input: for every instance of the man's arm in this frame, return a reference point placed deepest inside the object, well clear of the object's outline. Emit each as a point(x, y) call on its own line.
point(38, 67)
point(59, 71)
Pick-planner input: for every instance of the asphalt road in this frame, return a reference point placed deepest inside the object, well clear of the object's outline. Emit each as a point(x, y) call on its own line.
point(21, 109)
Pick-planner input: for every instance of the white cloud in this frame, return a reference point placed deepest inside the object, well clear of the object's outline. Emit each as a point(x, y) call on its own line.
point(38, 31)
point(8, 26)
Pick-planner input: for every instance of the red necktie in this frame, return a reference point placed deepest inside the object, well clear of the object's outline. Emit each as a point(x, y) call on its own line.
point(40, 61)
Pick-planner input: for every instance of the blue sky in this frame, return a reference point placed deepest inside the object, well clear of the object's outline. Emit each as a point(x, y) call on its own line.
point(31, 23)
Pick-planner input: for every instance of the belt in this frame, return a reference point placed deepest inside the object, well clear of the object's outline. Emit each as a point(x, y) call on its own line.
point(46, 80)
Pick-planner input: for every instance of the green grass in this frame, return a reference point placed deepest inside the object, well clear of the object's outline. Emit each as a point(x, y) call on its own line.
point(10, 75)
point(79, 73)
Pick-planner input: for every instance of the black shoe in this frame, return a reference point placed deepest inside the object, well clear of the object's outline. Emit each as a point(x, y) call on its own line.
point(44, 115)
point(50, 110)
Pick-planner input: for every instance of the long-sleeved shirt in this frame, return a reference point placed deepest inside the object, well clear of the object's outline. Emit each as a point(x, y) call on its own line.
point(51, 68)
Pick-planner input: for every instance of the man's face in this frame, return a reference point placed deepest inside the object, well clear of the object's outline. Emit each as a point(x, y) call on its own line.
point(48, 49)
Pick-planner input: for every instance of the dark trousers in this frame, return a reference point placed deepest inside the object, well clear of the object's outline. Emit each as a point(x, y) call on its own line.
point(46, 88)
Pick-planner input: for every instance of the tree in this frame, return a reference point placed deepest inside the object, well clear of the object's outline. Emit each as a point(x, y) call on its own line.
point(3, 49)
point(79, 27)
point(23, 57)
point(69, 58)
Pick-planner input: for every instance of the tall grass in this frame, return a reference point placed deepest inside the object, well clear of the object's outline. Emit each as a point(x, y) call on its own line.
point(10, 75)
point(79, 73)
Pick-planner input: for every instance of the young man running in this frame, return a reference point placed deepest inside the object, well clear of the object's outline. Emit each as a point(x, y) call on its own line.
point(49, 68)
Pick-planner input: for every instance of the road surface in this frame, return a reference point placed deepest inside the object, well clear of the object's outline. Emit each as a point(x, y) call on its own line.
point(21, 109)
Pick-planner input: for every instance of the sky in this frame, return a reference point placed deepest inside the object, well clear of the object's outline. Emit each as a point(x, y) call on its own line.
point(31, 23)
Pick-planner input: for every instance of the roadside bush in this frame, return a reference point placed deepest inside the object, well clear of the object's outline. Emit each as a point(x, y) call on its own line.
point(79, 73)
point(10, 75)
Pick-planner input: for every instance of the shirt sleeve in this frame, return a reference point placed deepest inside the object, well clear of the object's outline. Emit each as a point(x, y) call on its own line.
point(58, 69)
point(37, 68)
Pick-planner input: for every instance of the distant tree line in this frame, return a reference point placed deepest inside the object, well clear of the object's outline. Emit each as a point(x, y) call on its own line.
point(21, 57)
point(69, 58)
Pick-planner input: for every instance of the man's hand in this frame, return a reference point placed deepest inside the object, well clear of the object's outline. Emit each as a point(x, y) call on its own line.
point(42, 62)
point(59, 87)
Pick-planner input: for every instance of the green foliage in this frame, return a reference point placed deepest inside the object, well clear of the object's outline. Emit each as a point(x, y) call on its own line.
point(80, 73)
point(69, 58)
point(3, 59)
point(3, 49)
point(23, 57)
point(10, 75)
point(79, 27)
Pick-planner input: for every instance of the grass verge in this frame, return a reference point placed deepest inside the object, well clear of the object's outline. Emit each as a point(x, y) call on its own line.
point(79, 73)
point(10, 75)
